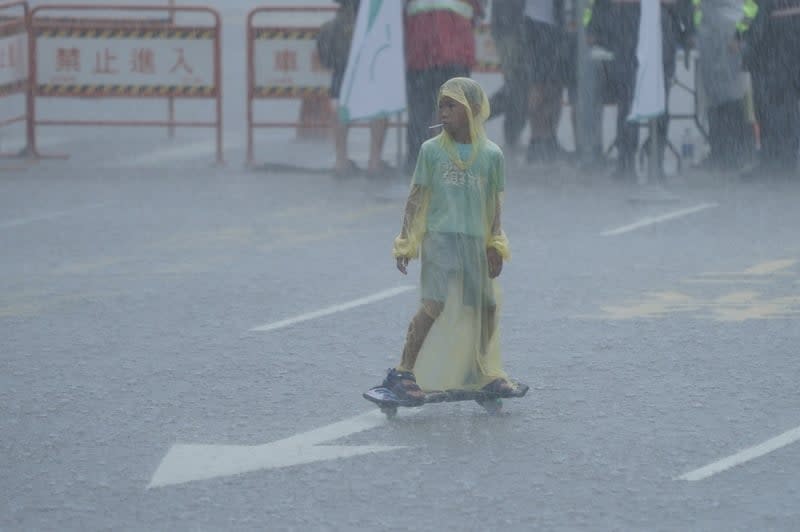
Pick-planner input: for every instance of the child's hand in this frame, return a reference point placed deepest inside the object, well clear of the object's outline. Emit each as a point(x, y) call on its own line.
point(495, 262)
point(402, 263)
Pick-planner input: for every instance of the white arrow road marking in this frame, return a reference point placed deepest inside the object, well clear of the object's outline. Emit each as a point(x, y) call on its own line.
point(743, 456)
point(189, 462)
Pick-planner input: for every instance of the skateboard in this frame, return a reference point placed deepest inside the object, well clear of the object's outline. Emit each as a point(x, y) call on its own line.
point(388, 402)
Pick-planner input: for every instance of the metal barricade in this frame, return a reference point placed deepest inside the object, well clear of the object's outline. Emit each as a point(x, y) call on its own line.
point(136, 58)
point(14, 62)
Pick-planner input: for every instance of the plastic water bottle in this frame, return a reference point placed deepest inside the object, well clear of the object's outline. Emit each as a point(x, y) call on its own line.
point(687, 146)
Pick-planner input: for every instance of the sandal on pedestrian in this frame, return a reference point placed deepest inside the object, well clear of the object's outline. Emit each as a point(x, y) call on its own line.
point(501, 387)
point(404, 385)
point(350, 170)
point(385, 170)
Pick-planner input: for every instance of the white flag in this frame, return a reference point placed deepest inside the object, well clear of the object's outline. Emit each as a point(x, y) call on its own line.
point(374, 82)
point(648, 97)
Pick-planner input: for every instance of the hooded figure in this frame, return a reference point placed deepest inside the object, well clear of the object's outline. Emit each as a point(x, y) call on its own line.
point(719, 70)
point(720, 63)
point(770, 33)
point(452, 223)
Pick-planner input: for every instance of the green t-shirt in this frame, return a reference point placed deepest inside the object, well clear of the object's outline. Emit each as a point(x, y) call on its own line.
point(461, 200)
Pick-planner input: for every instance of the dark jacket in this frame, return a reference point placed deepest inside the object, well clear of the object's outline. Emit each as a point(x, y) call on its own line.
point(772, 42)
point(615, 26)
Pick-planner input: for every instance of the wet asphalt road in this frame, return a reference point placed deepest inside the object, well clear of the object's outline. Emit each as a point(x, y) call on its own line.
point(128, 298)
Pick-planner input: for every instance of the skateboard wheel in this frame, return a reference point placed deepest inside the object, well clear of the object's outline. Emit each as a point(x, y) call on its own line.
point(493, 406)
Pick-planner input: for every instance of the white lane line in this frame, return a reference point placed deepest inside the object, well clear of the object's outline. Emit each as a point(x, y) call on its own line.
point(47, 216)
point(644, 222)
point(191, 462)
point(334, 309)
point(741, 457)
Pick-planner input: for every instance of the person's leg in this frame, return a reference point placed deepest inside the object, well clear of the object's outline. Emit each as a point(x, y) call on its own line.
point(716, 135)
point(499, 100)
point(727, 140)
point(537, 106)
point(772, 125)
point(784, 139)
point(377, 136)
point(554, 92)
point(488, 326)
point(627, 133)
point(791, 135)
point(545, 113)
point(795, 131)
point(662, 127)
point(499, 386)
point(517, 81)
point(662, 123)
point(340, 131)
point(418, 330)
point(598, 110)
point(343, 167)
point(760, 105)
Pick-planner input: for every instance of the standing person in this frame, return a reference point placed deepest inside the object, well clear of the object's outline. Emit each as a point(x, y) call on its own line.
point(507, 25)
point(440, 44)
point(547, 52)
point(452, 222)
point(720, 66)
point(344, 166)
point(770, 32)
point(614, 24)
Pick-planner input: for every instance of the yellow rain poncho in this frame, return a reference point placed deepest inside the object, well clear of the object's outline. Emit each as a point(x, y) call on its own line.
point(452, 217)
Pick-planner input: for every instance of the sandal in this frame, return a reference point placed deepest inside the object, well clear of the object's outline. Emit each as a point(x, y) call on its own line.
point(404, 385)
point(501, 387)
point(351, 170)
point(384, 171)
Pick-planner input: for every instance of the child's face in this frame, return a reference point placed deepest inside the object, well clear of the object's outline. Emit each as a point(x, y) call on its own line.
point(454, 119)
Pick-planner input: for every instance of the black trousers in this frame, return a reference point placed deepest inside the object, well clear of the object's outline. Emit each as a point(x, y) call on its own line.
point(729, 136)
point(779, 119)
point(511, 101)
point(622, 84)
point(422, 87)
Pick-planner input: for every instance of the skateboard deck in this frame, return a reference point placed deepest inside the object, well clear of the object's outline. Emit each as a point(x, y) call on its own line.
point(492, 402)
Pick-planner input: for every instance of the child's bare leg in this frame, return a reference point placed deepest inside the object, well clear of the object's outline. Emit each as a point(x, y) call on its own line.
point(552, 107)
point(537, 100)
point(340, 131)
point(545, 110)
point(377, 136)
point(418, 330)
point(487, 327)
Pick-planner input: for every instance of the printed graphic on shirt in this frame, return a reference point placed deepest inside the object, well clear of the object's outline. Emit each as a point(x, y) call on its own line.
point(453, 175)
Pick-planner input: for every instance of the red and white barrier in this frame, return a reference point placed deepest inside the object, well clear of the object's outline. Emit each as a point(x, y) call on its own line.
point(14, 65)
point(82, 55)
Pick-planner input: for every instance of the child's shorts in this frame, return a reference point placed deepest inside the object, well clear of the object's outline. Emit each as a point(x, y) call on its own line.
point(446, 256)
